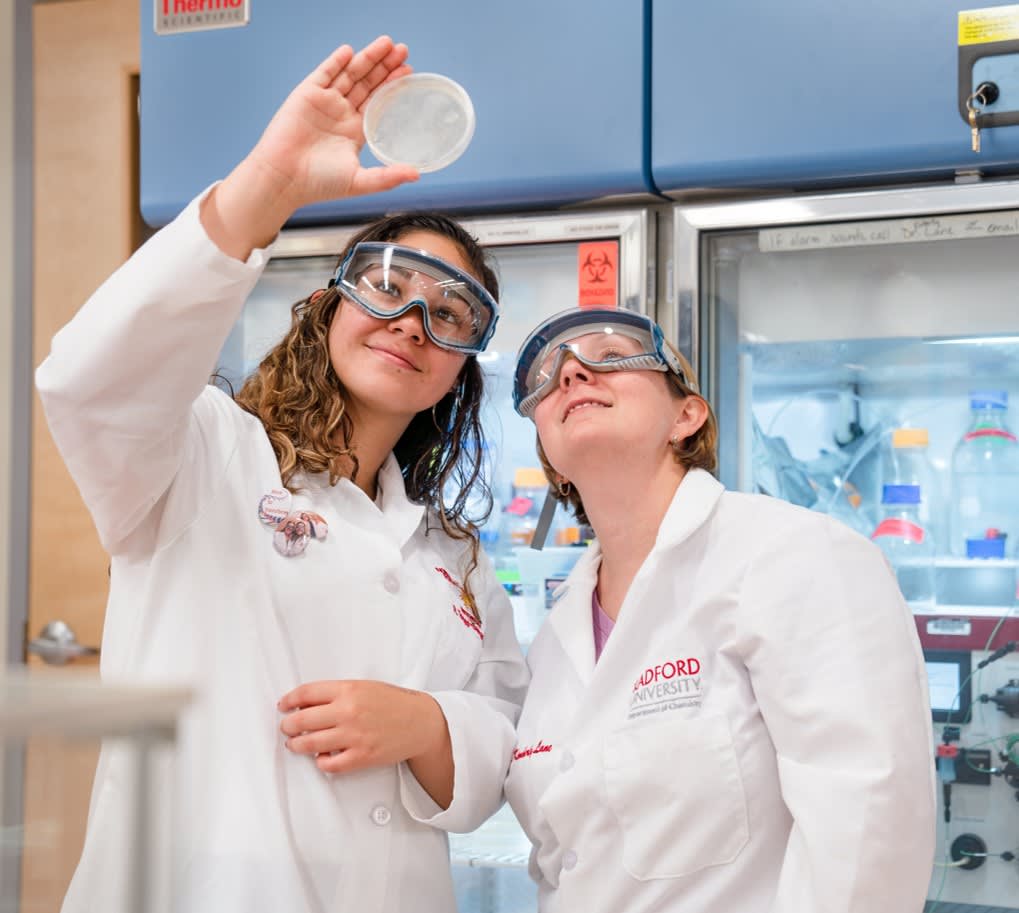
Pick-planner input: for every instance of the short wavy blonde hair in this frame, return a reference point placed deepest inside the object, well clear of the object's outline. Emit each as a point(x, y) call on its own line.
point(698, 451)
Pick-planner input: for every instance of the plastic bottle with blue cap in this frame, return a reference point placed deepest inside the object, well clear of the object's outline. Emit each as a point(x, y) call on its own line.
point(985, 482)
point(906, 544)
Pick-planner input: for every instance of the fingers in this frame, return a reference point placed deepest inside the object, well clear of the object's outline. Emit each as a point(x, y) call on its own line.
point(332, 66)
point(376, 180)
point(309, 695)
point(383, 72)
point(323, 741)
point(341, 762)
point(311, 719)
point(369, 68)
point(399, 72)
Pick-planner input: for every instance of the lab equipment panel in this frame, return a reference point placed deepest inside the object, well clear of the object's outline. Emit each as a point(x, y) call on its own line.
point(805, 93)
point(558, 92)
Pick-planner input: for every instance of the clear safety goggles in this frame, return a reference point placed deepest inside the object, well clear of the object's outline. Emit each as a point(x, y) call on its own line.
point(387, 280)
point(600, 339)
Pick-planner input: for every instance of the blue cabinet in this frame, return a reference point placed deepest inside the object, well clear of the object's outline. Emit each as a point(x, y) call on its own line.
point(558, 89)
point(807, 92)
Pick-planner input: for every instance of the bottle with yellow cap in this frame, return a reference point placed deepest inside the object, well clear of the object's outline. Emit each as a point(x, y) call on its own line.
point(908, 463)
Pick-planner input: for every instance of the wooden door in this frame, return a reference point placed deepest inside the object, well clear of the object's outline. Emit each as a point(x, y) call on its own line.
point(86, 60)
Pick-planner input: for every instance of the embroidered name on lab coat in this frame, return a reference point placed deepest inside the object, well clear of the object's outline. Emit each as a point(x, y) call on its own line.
point(540, 748)
point(671, 685)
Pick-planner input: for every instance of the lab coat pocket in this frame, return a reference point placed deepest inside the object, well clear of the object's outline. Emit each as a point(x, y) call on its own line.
point(676, 790)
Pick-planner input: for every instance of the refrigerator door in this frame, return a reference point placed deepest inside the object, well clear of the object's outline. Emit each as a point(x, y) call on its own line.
point(841, 339)
point(545, 264)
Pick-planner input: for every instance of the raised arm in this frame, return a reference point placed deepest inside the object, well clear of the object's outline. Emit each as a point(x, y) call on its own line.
point(121, 382)
point(308, 152)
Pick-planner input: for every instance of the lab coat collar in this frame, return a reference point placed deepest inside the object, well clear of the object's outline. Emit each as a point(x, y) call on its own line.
point(402, 515)
point(692, 504)
point(571, 618)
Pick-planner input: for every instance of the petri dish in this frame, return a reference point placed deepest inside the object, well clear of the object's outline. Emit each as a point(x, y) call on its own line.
point(424, 119)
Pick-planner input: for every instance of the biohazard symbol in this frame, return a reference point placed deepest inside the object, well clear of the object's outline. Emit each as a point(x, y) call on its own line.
point(597, 267)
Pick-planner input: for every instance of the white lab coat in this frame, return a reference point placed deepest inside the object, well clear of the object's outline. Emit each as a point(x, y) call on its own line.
point(755, 737)
point(173, 472)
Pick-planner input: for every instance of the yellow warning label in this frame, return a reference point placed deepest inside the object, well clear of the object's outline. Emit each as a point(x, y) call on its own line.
point(994, 23)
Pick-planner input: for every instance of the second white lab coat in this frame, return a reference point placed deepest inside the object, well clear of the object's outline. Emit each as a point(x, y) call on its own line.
point(755, 738)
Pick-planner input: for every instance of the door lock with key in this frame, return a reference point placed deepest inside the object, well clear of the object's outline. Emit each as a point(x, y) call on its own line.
point(987, 93)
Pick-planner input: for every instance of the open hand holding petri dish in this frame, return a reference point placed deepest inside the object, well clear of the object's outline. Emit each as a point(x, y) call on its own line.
point(425, 120)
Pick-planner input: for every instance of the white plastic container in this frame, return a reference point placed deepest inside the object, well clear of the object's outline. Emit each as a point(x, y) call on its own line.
point(425, 120)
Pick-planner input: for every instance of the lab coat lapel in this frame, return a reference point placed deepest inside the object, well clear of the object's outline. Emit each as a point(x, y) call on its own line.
point(570, 616)
point(402, 515)
point(692, 504)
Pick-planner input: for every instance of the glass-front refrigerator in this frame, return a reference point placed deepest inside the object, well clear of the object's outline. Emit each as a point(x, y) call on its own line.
point(545, 263)
point(862, 353)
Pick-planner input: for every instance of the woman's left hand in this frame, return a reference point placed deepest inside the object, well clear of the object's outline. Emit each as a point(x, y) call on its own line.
point(351, 724)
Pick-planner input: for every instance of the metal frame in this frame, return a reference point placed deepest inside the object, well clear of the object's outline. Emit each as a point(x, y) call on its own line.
point(690, 222)
point(18, 515)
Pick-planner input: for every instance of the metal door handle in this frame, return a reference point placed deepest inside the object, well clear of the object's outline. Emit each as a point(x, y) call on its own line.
point(57, 644)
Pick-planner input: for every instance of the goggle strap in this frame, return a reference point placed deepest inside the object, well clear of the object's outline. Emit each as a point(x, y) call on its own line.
point(544, 523)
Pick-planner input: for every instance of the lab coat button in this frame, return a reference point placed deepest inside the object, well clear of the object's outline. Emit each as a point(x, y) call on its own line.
point(391, 582)
point(381, 815)
point(569, 860)
point(566, 762)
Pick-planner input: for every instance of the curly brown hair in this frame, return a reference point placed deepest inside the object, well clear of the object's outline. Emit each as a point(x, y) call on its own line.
point(300, 401)
point(698, 451)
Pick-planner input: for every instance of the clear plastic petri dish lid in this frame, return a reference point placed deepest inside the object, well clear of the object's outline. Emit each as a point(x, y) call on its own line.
point(425, 120)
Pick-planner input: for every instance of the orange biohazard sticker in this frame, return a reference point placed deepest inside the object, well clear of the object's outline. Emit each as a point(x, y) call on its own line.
point(598, 274)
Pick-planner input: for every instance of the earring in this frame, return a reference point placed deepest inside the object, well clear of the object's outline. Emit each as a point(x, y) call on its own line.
point(676, 444)
point(564, 488)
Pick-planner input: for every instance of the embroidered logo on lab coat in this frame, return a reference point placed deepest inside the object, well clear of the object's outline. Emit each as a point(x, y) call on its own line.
point(674, 684)
point(464, 611)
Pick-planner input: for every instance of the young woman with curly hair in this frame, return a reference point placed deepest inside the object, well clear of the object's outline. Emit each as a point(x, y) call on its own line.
point(291, 554)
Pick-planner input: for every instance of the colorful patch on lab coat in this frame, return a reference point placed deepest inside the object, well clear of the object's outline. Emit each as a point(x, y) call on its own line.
point(293, 533)
point(274, 507)
point(467, 612)
point(673, 684)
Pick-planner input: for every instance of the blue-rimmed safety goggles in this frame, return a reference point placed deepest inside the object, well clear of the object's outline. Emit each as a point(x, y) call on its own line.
point(600, 339)
point(386, 280)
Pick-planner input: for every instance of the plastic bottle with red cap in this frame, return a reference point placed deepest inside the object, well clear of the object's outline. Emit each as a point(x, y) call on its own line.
point(985, 482)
